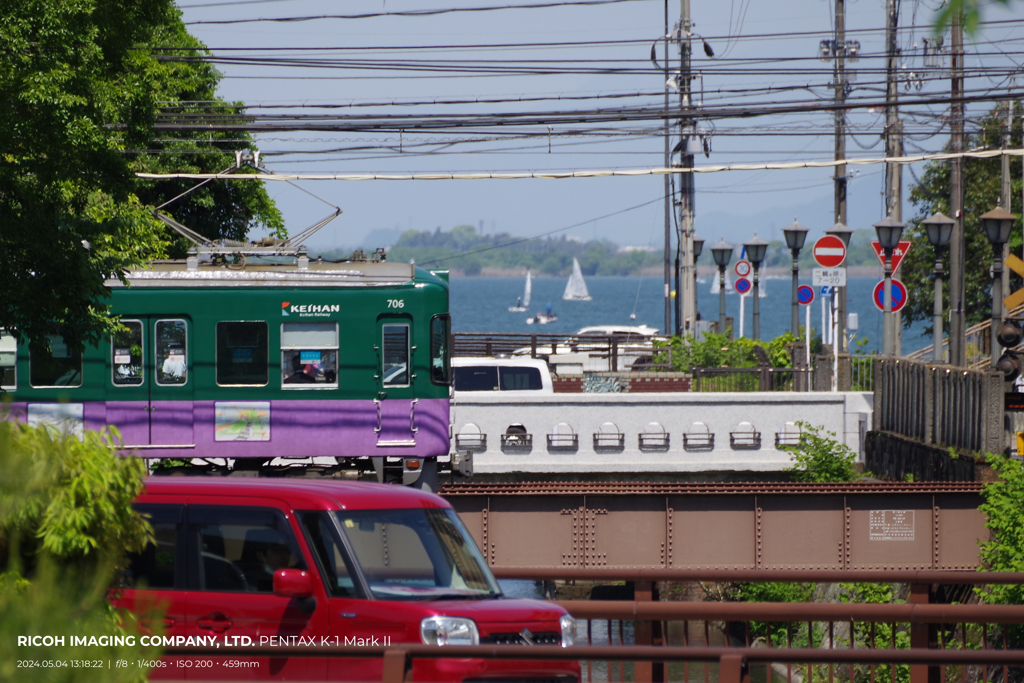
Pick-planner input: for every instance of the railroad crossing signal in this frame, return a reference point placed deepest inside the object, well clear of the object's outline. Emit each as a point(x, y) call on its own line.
point(897, 254)
point(1017, 298)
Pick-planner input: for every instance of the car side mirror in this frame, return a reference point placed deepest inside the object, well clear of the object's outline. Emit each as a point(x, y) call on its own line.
point(293, 583)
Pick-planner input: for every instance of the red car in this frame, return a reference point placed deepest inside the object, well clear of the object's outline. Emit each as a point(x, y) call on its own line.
point(296, 561)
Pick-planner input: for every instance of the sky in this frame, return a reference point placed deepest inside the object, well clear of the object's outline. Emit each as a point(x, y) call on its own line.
point(749, 55)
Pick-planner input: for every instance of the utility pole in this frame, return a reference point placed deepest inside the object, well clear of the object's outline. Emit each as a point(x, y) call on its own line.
point(668, 193)
point(839, 79)
point(1005, 196)
point(957, 246)
point(687, 288)
point(893, 141)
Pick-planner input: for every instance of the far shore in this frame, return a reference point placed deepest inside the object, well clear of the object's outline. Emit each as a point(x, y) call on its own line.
point(702, 271)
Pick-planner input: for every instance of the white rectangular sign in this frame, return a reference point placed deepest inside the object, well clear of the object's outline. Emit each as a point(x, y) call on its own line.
point(831, 277)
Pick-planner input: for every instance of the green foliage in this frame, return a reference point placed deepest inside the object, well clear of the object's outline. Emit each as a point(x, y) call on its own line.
point(66, 523)
point(68, 499)
point(1003, 508)
point(969, 10)
point(819, 458)
point(879, 635)
point(982, 191)
point(61, 601)
point(718, 351)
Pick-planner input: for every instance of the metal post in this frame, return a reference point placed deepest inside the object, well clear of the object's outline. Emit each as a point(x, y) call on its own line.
point(887, 341)
point(721, 299)
point(679, 301)
point(668, 193)
point(937, 356)
point(757, 307)
point(839, 78)
point(997, 304)
point(957, 284)
point(1005, 194)
point(796, 301)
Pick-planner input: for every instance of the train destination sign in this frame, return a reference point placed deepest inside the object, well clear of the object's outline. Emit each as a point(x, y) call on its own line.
point(829, 251)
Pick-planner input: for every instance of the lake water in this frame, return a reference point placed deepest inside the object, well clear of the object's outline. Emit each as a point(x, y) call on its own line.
point(480, 304)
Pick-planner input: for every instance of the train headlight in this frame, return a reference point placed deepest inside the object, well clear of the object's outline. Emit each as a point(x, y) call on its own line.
point(567, 624)
point(449, 631)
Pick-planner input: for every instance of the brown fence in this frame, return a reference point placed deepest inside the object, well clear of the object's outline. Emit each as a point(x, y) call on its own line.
point(939, 405)
point(921, 641)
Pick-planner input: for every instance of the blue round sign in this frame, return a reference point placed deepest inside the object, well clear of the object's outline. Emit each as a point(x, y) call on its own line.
point(742, 285)
point(805, 294)
point(899, 295)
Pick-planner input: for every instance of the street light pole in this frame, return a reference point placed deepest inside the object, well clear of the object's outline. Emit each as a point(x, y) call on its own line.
point(889, 232)
point(795, 234)
point(722, 253)
point(939, 228)
point(997, 223)
point(756, 249)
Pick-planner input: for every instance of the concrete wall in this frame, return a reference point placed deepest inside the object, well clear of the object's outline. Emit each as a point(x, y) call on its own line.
point(847, 414)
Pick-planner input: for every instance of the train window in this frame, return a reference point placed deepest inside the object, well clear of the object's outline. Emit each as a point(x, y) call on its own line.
point(309, 355)
point(62, 369)
point(395, 359)
point(171, 352)
point(8, 362)
point(126, 351)
point(440, 349)
point(242, 353)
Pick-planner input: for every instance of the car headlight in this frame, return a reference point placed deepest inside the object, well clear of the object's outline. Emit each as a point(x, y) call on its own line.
point(567, 623)
point(449, 631)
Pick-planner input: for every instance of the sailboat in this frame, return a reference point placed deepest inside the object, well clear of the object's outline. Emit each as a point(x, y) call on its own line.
point(728, 284)
point(523, 303)
point(576, 288)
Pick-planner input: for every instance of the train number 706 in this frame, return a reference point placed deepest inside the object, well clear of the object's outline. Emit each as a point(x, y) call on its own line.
point(396, 303)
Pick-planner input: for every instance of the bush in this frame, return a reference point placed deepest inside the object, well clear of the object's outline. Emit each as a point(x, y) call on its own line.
point(66, 525)
point(820, 458)
point(1003, 507)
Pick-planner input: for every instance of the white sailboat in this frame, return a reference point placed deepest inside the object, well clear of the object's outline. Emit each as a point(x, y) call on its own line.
point(524, 303)
point(576, 288)
point(728, 284)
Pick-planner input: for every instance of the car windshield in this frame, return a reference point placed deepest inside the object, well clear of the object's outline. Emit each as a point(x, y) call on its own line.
point(422, 554)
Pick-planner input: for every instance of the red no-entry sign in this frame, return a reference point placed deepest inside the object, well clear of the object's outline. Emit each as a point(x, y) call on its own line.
point(829, 252)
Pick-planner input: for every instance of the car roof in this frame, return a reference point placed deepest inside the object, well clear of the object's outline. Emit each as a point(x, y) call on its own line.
point(642, 330)
point(463, 361)
point(299, 494)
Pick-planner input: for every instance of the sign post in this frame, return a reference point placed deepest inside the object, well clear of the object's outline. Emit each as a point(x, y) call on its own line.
point(742, 287)
point(805, 296)
point(830, 253)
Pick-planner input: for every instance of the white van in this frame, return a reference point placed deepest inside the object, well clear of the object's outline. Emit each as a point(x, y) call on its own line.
point(510, 376)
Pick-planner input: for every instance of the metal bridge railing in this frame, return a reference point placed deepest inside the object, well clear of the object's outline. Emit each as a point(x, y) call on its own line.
point(939, 405)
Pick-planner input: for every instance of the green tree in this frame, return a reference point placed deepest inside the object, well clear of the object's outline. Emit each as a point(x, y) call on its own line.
point(81, 85)
point(982, 191)
point(1003, 508)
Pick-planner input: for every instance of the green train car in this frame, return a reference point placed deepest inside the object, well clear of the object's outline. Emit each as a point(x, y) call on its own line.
point(253, 363)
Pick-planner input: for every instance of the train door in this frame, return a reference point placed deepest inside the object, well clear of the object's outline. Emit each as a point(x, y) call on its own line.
point(151, 389)
point(396, 402)
point(170, 399)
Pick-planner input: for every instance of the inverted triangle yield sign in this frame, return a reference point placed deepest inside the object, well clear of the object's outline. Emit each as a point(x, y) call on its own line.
point(897, 254)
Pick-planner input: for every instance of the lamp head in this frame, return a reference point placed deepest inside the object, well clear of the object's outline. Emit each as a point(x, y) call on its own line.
point(756, 249)
point(998, 223)
point(795, 234)
point(842, 232)
point(698, 247)
point(889, 231)
point(722, 253)
point(939, 228)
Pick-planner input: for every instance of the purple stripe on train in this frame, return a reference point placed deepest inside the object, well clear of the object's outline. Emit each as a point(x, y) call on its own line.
point(261, 429)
